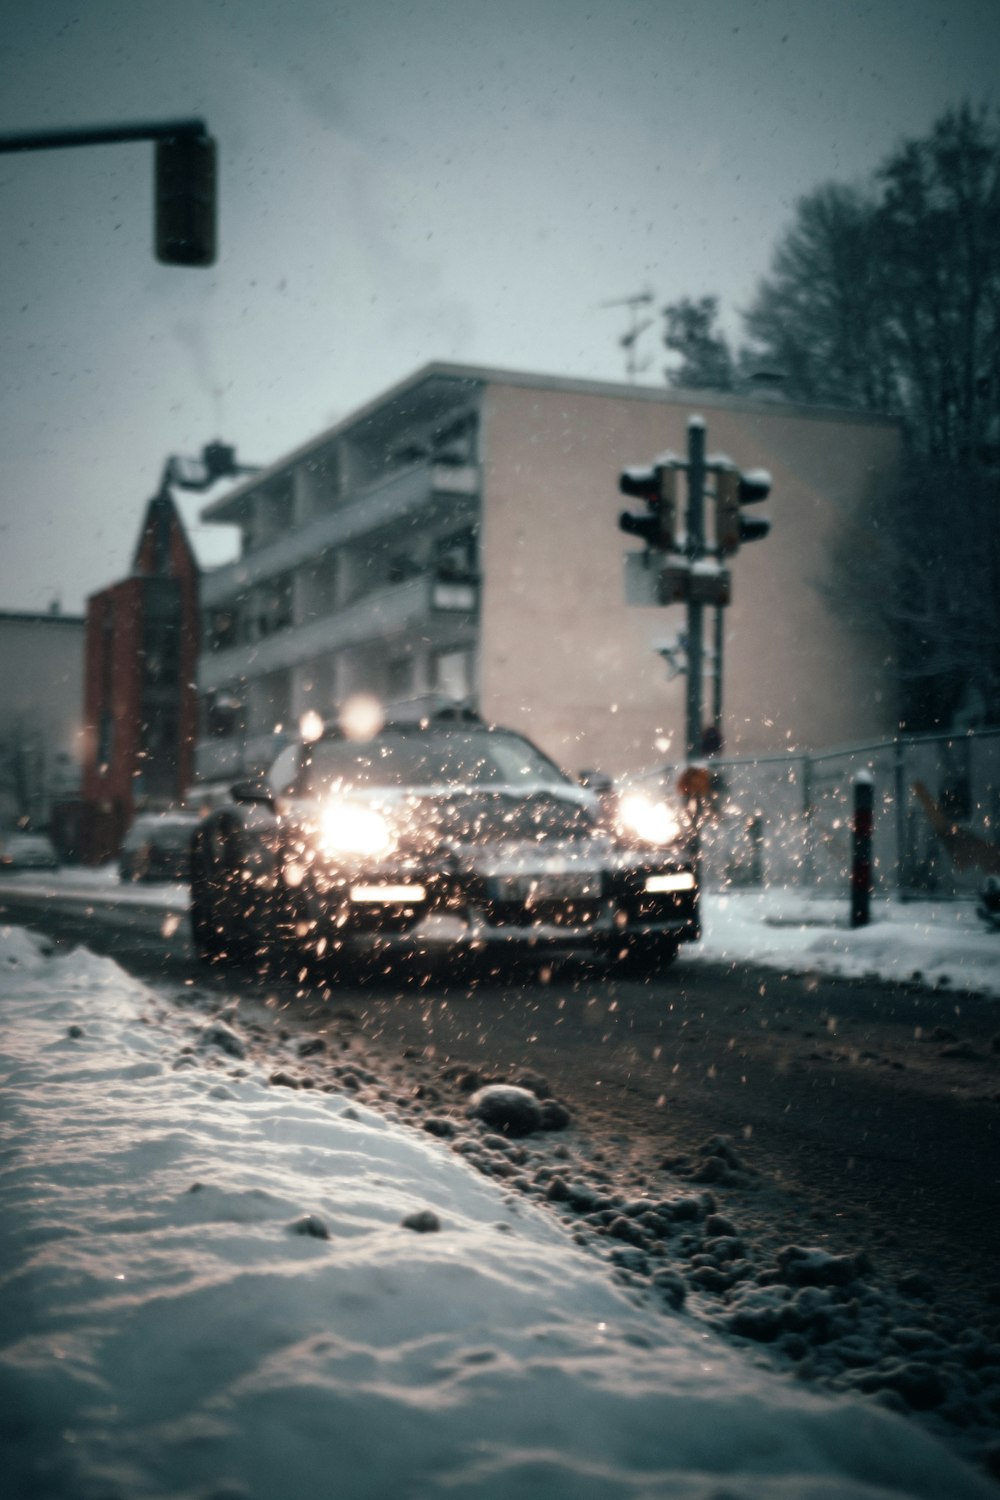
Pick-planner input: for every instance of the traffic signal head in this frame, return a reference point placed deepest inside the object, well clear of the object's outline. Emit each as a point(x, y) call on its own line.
point(656, 485)
point(219, 460)
point(733, 490)
point(185, 200)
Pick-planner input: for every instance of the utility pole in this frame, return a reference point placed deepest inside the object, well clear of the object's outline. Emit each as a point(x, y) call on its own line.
point(695, 550)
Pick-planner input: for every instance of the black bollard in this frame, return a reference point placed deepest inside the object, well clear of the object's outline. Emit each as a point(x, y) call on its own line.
point(861, 849)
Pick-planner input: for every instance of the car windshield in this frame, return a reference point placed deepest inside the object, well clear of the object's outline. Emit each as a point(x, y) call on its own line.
point(468, 758)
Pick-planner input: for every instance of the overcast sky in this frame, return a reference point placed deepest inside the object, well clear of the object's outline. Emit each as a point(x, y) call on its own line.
point(400, 182)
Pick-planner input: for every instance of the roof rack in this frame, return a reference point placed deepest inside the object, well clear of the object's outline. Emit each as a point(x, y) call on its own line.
point(414, 713)
point(429, 708)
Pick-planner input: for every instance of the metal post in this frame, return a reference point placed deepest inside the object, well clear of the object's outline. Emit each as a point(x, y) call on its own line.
point(899, 778)
point(695, 549)
point(718, 644)
point(808, 820)
point(861, 849)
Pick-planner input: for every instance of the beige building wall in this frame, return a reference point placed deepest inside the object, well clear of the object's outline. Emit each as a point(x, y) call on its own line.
point(566, 660)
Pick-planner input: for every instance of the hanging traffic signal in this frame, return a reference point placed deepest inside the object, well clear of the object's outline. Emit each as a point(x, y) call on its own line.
point(656, 485)
point(185, 200)
point(733, 490)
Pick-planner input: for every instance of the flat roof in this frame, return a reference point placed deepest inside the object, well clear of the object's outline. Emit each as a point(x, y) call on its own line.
point(429, 386)
point(41, 617)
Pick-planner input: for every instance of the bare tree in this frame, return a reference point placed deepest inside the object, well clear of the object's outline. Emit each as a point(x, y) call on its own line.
point(922, 563)
point(887, 297)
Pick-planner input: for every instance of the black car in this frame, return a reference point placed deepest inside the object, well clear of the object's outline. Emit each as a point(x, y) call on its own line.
point(440, 833)
point(158, 847)
point(22, 850)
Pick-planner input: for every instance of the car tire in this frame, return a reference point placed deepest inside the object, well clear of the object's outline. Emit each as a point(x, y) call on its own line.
point(209, 941)
point(219, 931)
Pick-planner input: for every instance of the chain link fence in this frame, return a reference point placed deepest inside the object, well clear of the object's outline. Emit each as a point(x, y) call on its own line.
point(786, 819)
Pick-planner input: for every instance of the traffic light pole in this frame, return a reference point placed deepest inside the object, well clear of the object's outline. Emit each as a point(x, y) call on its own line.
point(695, 549)
point(185, 172)
point(683, 568)
point(717, 663)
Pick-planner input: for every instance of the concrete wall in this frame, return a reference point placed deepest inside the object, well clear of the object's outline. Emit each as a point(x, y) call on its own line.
point(563, 658)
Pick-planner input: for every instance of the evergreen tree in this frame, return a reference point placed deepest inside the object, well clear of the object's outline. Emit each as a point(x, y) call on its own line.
point(704, 359)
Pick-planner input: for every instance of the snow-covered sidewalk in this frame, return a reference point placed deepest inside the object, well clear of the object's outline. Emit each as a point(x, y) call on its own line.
point(941, 944)
point(212, 1288)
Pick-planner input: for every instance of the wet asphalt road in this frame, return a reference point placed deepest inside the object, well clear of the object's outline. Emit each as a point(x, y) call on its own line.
point(870, 1111)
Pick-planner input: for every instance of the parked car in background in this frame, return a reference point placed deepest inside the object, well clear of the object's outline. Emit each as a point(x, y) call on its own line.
point(20, 850)
point(441, 833)
point(158, 847)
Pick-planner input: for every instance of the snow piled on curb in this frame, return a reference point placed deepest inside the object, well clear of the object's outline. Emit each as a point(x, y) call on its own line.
point(942, 945)
point(209, 1290)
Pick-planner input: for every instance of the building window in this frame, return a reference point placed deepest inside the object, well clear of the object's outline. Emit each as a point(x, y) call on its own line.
point(105, 740)
point(398, 677)
point(453, 673)
point(222, 716)
point(456, 556)
point(161, 646)
point(401, 566)
point(222, 631)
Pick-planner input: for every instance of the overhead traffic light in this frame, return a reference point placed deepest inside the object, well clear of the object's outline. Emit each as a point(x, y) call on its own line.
point(185, 200)
point(733, 490)
point(656, 485)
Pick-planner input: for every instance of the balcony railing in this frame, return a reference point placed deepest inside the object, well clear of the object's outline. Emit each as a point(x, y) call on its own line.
point(385, 612)
point(444, 491)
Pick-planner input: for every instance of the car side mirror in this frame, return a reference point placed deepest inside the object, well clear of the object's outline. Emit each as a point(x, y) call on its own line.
point(252, 791)
point(595, 781)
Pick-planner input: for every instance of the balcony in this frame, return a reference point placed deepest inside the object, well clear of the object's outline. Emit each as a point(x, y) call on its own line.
point(442, 492)
point(426, 600)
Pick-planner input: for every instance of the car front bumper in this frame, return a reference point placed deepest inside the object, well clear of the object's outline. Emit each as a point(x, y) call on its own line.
point(430, 912)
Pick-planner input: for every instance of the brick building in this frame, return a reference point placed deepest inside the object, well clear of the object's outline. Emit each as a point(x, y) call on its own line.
point(140, 704)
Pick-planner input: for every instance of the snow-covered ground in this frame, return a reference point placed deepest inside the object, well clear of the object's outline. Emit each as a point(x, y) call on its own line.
point(938, 944)
point(213, 1289)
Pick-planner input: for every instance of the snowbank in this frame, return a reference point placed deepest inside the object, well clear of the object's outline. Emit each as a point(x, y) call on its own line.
point(938, 944)
point(210, 1290)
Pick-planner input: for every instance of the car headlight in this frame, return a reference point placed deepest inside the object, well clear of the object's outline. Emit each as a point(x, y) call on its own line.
point(653, 822)
point(352, 828)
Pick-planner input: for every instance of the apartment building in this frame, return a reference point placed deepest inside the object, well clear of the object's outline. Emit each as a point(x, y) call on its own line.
point(41, 728)
point(459, 534)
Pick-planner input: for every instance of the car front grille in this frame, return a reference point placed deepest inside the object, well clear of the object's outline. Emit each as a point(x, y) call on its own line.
point(568, 914)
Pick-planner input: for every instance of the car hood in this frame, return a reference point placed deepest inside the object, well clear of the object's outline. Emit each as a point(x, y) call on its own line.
point(469, 819)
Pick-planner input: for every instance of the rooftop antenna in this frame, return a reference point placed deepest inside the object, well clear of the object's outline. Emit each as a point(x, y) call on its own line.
point(636, 327)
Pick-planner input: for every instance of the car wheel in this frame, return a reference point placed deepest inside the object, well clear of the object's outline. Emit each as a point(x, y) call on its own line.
point(228, 927)
point(209, 940)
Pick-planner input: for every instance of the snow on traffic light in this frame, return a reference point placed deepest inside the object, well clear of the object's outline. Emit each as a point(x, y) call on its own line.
point(733, 490)
point(657, 485)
